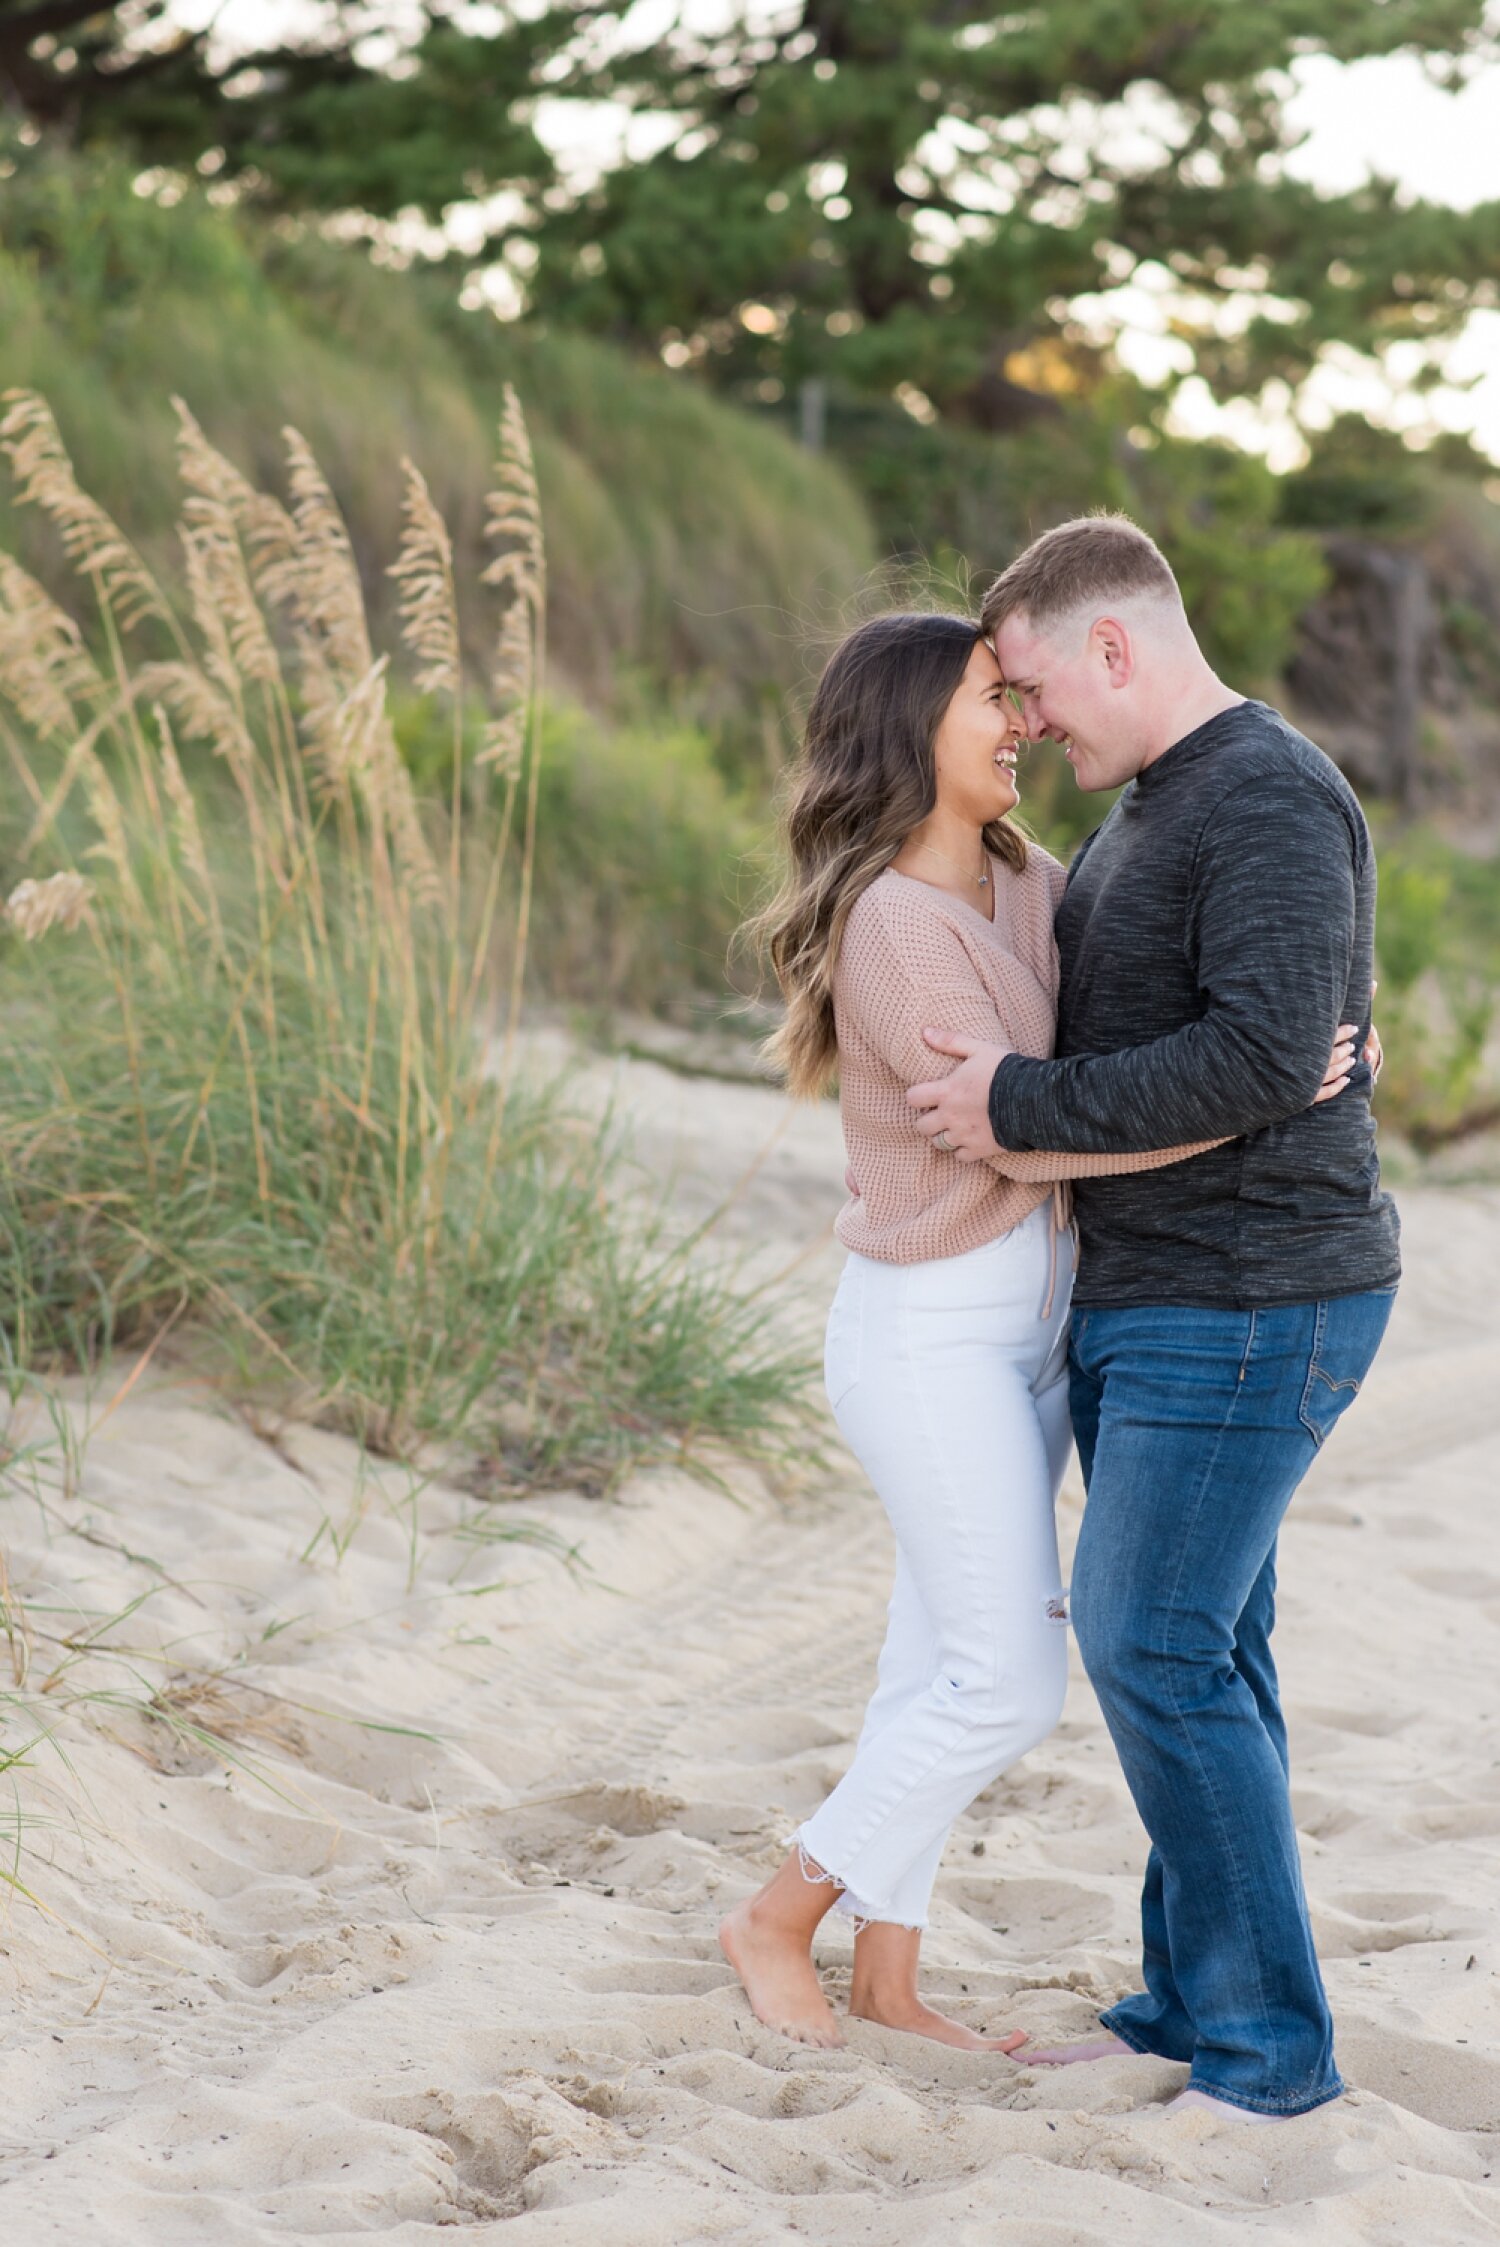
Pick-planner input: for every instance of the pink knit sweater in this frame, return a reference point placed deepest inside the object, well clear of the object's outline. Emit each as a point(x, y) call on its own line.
point(912, 956)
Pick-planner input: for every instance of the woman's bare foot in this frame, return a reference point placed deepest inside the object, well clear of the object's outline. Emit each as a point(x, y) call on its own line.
point(918, 2019)
point(780, 1979)
point(768, 1942)
point(1104, 2047)
point(884, 1989)
point(1223, 2108)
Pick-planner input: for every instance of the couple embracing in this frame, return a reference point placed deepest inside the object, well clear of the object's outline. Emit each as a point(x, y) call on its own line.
point(1158, 1071)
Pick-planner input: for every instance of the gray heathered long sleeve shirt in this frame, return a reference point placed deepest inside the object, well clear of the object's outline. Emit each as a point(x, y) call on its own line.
point(1216, 930)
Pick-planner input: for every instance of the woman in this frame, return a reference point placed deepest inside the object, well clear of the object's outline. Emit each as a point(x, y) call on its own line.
point(912, 899)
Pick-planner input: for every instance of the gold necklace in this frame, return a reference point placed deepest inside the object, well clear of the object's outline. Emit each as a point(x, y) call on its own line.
point(983, 880)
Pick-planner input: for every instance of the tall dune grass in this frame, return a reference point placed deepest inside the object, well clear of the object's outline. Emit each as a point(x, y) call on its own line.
point(264, 1087)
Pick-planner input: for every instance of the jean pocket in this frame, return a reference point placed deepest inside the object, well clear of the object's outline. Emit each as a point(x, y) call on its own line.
point(1346, 1335)
point(843, 1347)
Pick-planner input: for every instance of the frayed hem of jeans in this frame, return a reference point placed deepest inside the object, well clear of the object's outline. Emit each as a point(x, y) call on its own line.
point(860, 1916)
point(816, 1875)
point(1271, 2107)
point(848, 1906)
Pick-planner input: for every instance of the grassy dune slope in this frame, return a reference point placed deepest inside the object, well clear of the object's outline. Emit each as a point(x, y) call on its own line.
point(687, 540)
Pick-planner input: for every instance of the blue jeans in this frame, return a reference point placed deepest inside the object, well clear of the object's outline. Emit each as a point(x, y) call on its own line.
point(1194, 1428)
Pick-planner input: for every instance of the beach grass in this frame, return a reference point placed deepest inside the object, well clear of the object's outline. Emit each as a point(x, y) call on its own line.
point(262, 1046)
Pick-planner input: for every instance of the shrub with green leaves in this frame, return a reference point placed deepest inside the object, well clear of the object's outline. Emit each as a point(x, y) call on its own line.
point(1438, 954)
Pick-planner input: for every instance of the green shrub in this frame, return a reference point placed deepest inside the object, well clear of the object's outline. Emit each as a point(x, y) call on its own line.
point(1246, 578)
point(1359, 478)
point(645, 855)
point(641, 862)
point(1438, 955)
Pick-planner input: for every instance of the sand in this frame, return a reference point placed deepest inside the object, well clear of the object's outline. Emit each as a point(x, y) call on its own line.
point(363, 1979)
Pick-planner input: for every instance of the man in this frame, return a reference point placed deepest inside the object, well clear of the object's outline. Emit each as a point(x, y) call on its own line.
point(1216, 929)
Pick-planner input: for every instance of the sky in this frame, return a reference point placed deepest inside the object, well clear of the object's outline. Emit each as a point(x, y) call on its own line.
point(1379, 116)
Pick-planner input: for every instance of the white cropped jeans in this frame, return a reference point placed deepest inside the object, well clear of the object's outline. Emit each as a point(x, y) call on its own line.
point(950, 1387)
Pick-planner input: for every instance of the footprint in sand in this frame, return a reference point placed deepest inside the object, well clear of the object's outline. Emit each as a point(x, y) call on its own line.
point(1445, 2083)
point(1389, 1904)
point(729, 2079)
point(1039, 1918)
point(1456, 1583)
point(656, 1977)
point(1421, 1526)
point(575, 1833)
point(770, 1736)
point(1067, 1803)
point(1346, 1934)
point(1365, 1724)
point(1323, 1817)
point(496, 2140)
point(1453, 1821)
point(625, 1810)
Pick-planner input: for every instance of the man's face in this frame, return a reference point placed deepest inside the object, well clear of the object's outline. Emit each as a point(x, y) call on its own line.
point(1070, 681)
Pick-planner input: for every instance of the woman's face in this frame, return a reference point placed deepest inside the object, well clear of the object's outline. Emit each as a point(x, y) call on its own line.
point(975, 747)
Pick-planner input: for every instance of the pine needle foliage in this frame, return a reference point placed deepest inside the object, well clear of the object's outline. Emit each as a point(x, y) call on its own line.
point(253, 1003)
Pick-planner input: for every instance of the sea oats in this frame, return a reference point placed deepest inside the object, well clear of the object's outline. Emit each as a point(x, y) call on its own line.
point(323, 584)
point(44, 667)
point(320, 724)
point(180, 797)
point(107, 813)
point(216, 519)
point(424, 571)
point(94, 543)
point(267, 534)
point(513, 523)
point(57, 902)
point(185, 828)
point(201, 555)
point(347, 724)
point(80, 751)
point(513, 518)
point(358, 746)
point(202, 709)
point(211, 476)
point(504, 738)
point(413, 852)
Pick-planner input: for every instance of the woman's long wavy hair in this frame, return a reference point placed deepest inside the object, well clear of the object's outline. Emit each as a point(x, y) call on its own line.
point(865, 778)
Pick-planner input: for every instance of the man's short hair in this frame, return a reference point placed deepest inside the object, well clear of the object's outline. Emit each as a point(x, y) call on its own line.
point(1087, 563)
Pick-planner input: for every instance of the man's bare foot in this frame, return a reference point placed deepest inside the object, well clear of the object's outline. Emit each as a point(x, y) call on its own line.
point(1224, 2108)
point(1104, 2047)
point(918, 2019)
point(780, 1979)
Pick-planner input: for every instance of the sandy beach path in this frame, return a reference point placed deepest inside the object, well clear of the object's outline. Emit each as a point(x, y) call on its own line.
point(385, 1981)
